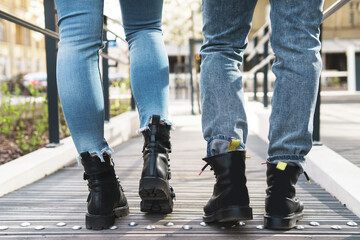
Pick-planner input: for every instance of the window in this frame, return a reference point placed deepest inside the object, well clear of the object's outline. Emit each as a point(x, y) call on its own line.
point(354, 13)
point(27, 37)
point(20, 66)
point(19, 35)
point(2, 31)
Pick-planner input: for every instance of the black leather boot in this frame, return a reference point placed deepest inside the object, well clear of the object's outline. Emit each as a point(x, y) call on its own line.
point(230, 199)
point(154, 189)
point(106, 199)
point(283, 209)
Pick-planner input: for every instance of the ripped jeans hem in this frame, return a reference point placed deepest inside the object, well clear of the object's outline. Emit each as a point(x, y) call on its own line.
point(167, 122)
point(99, 154)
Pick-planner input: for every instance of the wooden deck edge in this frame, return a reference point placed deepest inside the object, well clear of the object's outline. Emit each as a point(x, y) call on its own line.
point(335, 174)
point(45, 161)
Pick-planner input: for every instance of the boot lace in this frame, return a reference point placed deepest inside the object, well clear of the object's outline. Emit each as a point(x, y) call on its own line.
point(204, 167)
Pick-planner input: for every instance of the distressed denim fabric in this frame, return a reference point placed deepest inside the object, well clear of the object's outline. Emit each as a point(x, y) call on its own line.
point(78, 76)
point(295, 41)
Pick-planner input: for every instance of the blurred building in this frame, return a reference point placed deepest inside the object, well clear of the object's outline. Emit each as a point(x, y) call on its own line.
point(21, 50)
point(340, 45)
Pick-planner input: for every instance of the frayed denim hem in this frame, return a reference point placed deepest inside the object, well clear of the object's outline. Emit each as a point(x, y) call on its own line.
point(167, 122)
point(220, 137)
point(100, 154)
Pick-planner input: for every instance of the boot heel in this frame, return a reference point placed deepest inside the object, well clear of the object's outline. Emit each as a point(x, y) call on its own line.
point(230, 214)
point(99, 222)
point(235, 213)
point(282, 223)
point(121, 211)
point(157, 206)
point(154, 189)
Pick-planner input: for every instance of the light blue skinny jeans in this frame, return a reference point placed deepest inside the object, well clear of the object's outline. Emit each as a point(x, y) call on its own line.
point(295, 41)
point(78, 76)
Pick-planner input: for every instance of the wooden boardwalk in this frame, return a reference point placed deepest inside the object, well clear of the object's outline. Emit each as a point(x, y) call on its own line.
point(61, 197)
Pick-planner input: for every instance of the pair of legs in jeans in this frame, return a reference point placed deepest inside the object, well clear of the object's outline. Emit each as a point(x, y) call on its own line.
point(80, 27)
point(295, 40)
point(297, 65)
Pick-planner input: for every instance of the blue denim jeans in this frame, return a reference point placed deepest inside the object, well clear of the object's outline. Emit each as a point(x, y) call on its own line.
point(78, 76)
point(297, 66)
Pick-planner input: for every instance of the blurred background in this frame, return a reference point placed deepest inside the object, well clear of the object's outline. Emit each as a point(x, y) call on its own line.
point(23, 71)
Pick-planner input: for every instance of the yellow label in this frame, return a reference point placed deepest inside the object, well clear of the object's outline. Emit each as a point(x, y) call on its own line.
point(281, 166)
point(234, 144)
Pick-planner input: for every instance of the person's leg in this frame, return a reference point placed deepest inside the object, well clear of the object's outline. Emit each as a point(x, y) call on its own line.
point(149, 66)
point(297, 66)
point(78, 75)
point(226, 26)
point(80, 27)
point(149, 75)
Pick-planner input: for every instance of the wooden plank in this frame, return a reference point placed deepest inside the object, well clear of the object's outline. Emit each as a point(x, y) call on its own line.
point(61, 198)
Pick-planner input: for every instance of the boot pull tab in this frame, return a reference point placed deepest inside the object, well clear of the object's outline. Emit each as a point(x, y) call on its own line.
point(155, 121)
point(282, 165)
point(234, 144)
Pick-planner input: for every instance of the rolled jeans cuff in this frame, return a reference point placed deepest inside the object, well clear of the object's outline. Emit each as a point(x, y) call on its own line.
point(219, 145)
point(299, 160)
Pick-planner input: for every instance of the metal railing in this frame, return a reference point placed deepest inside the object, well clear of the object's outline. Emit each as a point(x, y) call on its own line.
point(51, 38)
point(261, 42)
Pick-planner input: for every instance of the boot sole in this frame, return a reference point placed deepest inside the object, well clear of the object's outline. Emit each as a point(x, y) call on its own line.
point(156, 196)
point(230, 214)
point(99, 222)
point(282, 223)
point(154, 189)
point(157, 206)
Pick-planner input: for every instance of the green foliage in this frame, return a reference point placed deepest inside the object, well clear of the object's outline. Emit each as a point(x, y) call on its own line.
point(24, 121)
point(119, 106)
point(124, 85)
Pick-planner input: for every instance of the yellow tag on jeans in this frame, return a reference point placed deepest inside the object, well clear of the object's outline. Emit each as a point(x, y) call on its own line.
point(281, 166)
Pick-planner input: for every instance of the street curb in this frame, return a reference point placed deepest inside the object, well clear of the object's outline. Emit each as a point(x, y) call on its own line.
point(335, 174)
point(45, 161)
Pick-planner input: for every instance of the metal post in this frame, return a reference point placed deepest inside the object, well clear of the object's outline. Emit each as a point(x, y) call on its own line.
point(255, 62)
point(191, 44)
point(357, 72)
point(52, 92)
point(265, 70)
point(105, 75)
point(316, 122)
point(132, 103)
point(316, 132)
point(351, 68)
point(176, 72)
